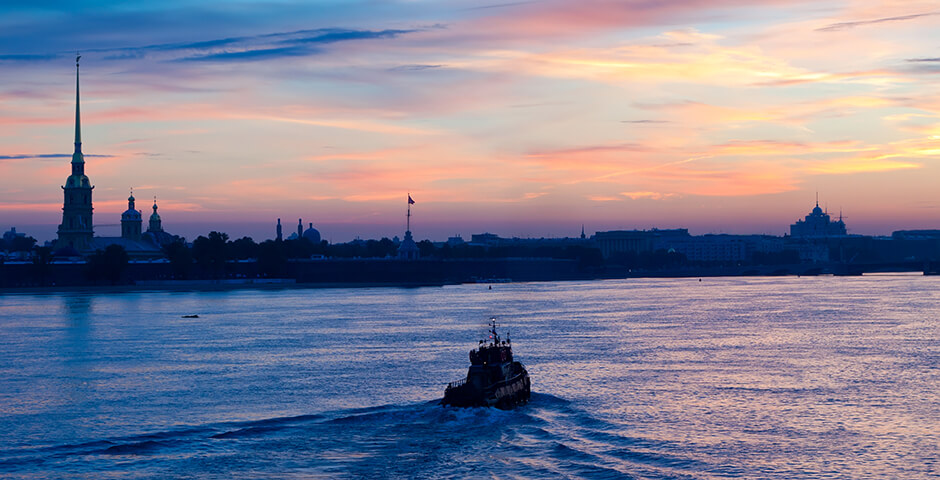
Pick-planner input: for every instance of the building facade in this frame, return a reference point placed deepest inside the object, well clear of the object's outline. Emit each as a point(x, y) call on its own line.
point(722, 248)
point(818, 224)
point(635, 241)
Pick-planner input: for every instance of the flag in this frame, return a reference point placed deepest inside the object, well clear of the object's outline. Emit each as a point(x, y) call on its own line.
point(410, 201)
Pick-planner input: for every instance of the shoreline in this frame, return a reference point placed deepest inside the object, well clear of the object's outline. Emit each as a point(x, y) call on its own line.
point(221, 285)
point(215, 287)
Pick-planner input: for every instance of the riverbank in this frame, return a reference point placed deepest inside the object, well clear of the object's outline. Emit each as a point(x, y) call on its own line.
point(188, 286)
point(318, 272)
point(364, 273)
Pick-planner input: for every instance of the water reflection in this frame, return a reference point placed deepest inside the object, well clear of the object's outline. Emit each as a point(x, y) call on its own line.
point(77, 307)
point(754, 378)
point(75, 350)
point(77, 310)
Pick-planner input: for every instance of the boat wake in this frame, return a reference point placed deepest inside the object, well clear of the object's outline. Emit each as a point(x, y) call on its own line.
point(548, 438)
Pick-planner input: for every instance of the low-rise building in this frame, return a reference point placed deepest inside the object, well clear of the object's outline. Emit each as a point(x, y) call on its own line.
point(616, 242)
point(722, 247)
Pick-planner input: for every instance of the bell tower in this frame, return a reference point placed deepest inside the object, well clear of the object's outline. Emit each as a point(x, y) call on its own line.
point(76, 228)
point(156, 225)
point(131, 220)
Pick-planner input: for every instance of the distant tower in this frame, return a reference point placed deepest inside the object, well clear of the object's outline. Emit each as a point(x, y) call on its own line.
point(408, 250)
point(279, 235)
point(131, 221)
point(76, 229)
point(582, 232)
point(300, 229)
point(156, 225)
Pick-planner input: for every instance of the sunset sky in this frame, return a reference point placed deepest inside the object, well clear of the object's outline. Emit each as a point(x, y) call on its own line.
point(523, 118)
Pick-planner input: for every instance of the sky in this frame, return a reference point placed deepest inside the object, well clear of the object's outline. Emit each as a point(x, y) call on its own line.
point(527, 118)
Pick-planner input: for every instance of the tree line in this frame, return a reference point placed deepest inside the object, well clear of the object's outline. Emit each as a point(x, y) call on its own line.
point(211, 253)
point(215, 255)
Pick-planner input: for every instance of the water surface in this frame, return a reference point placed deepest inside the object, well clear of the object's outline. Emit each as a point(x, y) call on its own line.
point(818, 377)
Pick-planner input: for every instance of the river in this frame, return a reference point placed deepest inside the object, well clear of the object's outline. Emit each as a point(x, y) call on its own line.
point(783, 377)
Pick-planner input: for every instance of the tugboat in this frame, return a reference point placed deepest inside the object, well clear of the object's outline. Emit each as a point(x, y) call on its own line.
point(494, 379)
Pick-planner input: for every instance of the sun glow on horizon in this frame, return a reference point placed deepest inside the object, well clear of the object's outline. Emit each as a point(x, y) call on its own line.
point(541, 115)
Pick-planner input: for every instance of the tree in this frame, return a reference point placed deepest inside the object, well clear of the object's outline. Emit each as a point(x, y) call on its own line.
point(426, 248)
point(180, 257)
point(272, 258)
point(241, 249)
point(380, 248)
point(108, 264)
point(210, 252)
point(22, 244)
point(299, 248)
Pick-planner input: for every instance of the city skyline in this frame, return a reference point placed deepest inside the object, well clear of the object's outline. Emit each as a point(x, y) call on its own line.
point(525, 119)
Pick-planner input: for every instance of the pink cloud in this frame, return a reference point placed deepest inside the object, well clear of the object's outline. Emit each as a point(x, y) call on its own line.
point(560, 18)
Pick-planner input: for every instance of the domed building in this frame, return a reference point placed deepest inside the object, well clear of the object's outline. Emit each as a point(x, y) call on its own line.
point(147, 245)
point(312, 234)
point(155, 233)
point(75, 235)
point(818, 224)
point(131, 221)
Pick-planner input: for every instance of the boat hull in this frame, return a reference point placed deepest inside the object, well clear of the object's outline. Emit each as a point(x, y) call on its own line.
point(504, 394)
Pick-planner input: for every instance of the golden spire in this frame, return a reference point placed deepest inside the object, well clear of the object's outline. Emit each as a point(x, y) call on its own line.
point(77, 157)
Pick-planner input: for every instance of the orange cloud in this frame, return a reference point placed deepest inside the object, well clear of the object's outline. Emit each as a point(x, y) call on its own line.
point(647, 195)
point(602, 198)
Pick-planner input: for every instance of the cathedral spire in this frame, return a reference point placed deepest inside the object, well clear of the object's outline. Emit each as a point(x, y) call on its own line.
point(76, 230)
point(77, 157)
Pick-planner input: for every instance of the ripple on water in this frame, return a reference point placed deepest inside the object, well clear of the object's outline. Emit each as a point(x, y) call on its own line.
point(657, 378)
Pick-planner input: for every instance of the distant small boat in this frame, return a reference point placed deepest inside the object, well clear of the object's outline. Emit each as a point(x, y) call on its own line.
point(493, 380)
point(190, 316)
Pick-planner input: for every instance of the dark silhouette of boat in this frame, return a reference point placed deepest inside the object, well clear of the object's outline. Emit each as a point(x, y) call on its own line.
point(494, 378)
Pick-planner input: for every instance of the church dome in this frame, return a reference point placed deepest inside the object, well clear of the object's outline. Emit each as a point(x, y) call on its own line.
point(312, 234)
point(131, 213)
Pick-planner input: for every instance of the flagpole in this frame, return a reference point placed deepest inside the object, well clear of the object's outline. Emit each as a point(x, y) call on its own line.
point(408, 227)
